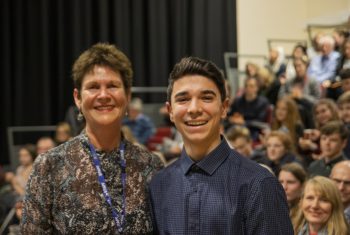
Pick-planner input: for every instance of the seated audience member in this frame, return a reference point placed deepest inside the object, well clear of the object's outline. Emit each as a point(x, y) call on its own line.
point(240, 140)
point(299, 51)
point(140, 124)
point(315, 48)
point(321, 209)
point(344, 113)
point(341, 176)
point(251, 69)
point(323, 67)
point(344, 62)
point(345, 79)
point(75, 119)
point(44, 144)
point(292, 177)
point(63, 133)
point(310, 87)
point(268, 85)
point(26, 154)
point(249, 108)
point(324, 111)
point(340, 37)
point(333, 139)
point(279, 151)
point(287, 119)
point(305, 106)
point(276, 61)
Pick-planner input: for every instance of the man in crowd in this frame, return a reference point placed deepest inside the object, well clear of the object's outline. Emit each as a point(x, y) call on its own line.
point(341, 176)
point(333, 140)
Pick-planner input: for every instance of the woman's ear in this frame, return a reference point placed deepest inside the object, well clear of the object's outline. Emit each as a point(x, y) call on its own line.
point(77, 98)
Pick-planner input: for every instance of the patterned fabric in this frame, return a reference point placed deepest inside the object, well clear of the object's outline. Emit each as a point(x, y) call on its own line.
point(305, 231)
point(224, 193)
point(64, 196)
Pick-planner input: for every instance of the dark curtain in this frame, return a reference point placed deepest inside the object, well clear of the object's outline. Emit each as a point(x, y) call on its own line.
point(40, 40)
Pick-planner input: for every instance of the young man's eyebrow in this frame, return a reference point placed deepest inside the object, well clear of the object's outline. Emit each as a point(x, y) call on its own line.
point(181, 93)
point(207, 92)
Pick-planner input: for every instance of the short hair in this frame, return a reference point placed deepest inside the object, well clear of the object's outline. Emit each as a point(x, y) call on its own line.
point(327, 39)
point(102, 54)
point(335, 127)
point(197, 66)
point(296, 170)
point(236, 132)
point(344, 98)
point(344, 74)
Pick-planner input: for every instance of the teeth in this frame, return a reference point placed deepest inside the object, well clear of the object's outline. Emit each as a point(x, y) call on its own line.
point(104, 108)
point(196, 123)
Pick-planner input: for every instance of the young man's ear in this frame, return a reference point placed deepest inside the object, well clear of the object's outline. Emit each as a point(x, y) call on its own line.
point(225, 107)
point(169, 108)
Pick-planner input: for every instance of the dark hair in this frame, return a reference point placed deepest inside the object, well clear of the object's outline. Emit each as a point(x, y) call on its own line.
point(31, 148)
point(335, 127)
point(197, 66)
point(297, 170)
point(106, 55)
point(344, 74)
point(302, 47)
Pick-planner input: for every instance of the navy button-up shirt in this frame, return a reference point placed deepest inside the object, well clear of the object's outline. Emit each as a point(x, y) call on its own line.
point(224, 193)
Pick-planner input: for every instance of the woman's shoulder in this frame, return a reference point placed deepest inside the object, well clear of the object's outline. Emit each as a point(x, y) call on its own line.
point(55, 156)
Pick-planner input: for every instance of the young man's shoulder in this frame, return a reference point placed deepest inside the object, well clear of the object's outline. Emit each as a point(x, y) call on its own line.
point(237, 167)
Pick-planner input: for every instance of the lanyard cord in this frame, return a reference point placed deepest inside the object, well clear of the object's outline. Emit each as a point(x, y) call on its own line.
point(101, 179)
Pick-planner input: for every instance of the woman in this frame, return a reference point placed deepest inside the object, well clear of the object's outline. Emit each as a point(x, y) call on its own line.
point(324, 111)
point(95, 182)
point(292, 177)
point(321, 209)
point(26, 154)
point(279, 151)
point(287, 119)
point(310, 87)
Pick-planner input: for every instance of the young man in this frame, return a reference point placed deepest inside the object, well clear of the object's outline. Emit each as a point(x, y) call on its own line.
point(344, 113)
point(211, 189)
point(333, 139)
point(341, 176)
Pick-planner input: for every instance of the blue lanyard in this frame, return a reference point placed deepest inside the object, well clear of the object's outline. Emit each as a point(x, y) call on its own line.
point(101, 179)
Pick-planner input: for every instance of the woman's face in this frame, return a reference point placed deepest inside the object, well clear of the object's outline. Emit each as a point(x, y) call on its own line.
point(275, 148)
point(316, 208)
point(103, 99)
point(281, 111)
point(300, 68)
point(298, 52)
point(25, 158)
point(291, 185)
point(323, 114)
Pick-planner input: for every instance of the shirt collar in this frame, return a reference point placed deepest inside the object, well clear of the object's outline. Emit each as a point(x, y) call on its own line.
point(210, 162)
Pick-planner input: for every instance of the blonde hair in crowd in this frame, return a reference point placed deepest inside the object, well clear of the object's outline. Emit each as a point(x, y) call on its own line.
point(336, 224)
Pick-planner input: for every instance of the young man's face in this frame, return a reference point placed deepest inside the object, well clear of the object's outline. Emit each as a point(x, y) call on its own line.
point(196, 110)
point(344, 111)
point(331, 145)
